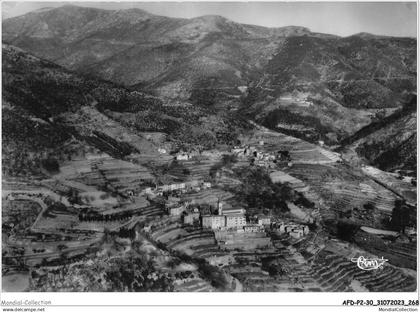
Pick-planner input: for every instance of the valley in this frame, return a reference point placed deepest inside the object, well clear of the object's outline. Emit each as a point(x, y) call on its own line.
point(148, 153)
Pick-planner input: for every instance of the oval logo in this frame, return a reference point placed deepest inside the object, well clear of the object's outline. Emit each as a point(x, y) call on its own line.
point(367, 264)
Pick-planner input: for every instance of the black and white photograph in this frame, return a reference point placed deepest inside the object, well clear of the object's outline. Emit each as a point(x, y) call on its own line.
point(209, 147)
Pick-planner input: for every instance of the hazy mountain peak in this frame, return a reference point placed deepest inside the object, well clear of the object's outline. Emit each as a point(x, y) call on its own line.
point(211, 18)
point(293, 30)
point(44, 9)
point(134, 12)
point(366, 35)
point(75, 9)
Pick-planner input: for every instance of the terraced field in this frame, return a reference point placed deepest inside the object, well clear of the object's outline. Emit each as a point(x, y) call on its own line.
point(344, 190)
point(91, 122)
point(208, 196)
point(193, 241)
point(346, 196)
point(193, 284)
point(294, 274)
point(283, 178)
point(329, 270)
point(145, 159)
point(106, 185)
point(123, 175)
point(111, 185)
point(301, 152)
point(200, 170)
point(401, 254)
point(226, 181)
point(404, 189)
point(104, 170)
point(12, 211)
point(314, 155)
point(92, 178)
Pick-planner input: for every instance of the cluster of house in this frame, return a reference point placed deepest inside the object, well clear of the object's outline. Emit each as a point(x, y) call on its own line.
point(194, 154)
point(244, 151)
point(225, 219)
point(187, 155)
point(263, 220)
point(262, 159)
point(175, 208)
point(183, 156)
point(294, 230)
point(233, 219)
point(192, 217)
point(17, 195)
point(183, 187)
point(411, 231)
point(229, 219)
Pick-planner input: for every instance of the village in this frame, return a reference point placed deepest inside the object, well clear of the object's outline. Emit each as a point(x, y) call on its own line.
point(187, 206)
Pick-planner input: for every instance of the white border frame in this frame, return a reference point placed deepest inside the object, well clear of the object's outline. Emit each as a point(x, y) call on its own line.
point(244, 301)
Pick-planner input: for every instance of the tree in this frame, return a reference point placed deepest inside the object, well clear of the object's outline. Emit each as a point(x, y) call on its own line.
point(51, 165)
point(346, 230)
point(228, 159)
point(369, 206)
point(73, 196)
point(400, 216)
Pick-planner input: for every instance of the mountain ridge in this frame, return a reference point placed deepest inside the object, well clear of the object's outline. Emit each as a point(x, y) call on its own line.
point(318, 87)
point(145, 12)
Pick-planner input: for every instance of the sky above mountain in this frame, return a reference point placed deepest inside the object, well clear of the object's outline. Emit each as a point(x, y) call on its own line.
point(340, 18)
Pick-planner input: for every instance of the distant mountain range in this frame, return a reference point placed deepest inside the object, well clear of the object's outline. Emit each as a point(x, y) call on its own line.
point(133, 47)
point(314, 86)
